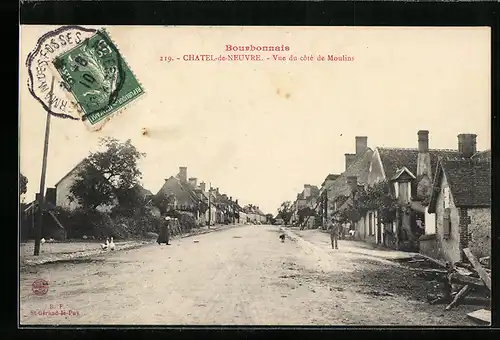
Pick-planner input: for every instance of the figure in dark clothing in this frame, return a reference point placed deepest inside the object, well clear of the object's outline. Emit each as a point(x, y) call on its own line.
point(164, 236)
point(334, 233)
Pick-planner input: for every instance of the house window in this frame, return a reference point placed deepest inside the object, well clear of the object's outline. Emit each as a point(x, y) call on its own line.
point(446, 223)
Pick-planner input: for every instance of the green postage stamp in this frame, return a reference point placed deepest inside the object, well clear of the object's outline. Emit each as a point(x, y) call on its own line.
point(96, 75)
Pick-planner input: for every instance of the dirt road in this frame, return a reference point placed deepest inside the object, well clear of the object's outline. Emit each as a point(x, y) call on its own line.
point(243, 275)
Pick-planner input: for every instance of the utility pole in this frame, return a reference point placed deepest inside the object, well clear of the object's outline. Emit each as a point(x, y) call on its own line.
point(209, 204)
point(41, 202)
point(325, 202)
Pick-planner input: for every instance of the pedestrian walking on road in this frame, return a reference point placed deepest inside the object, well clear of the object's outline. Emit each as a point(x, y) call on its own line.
point(164, 236)
point(334, 233)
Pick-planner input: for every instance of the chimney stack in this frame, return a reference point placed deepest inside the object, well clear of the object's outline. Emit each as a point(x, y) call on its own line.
point(349, 159)
point(423, 141)
point(423, 157)
point(352, 181)
point(193, 181)
point(183, 173)
point(467, 144)
point(361, 144)
point(202, 186)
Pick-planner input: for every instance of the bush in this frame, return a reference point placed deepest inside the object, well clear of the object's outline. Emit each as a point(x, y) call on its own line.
point(186, 220)
point(80, 222)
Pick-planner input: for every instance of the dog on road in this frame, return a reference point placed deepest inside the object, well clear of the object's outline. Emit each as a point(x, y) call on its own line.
point(282, 237)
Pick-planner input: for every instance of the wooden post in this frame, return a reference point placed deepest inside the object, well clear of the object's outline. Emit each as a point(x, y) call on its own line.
point(209, 204)
point(460, 295)
point(479, 269)
point(41, 202)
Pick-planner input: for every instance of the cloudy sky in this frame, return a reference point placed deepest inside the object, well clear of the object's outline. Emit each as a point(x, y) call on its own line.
point(260, 130)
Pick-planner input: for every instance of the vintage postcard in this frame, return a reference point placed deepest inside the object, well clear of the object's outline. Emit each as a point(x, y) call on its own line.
point(255, 175)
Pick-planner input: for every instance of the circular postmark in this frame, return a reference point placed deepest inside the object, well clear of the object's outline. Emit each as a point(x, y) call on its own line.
point(87, 68)
point(40, 287)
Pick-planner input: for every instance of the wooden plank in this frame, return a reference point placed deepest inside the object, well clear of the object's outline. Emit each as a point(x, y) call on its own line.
point(481, 315)
point(463, 279)
point(438, 262)
point(465, 289)
point(425, 270)
point(479, 269)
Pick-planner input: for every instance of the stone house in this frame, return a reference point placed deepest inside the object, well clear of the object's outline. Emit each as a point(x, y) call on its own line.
point(63, 194)
point(340, 191)
point(409, 174)
point(323, 206)
point(307, 199)
point(177, 193)
point(461, 202)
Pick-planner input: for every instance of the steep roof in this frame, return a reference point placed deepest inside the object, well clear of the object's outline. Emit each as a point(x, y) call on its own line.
point(469, 182)
point(359, 168)
point(393, 159)
point(486, 154)
point(182, 191)
point(142, 191)
point(330, 177)
point(73, 169)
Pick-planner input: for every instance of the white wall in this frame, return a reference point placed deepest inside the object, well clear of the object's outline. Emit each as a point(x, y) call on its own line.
point(430, 223)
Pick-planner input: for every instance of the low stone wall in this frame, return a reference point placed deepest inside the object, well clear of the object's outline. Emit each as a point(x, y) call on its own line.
point(428, 245)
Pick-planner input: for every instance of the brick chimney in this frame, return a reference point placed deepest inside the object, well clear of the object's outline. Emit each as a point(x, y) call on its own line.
point(202, 186)
point(349, 159)
point(423, 158)
point(423, 141)
point(352, 181)
point(467, 144)
point(183, 170)
point(361, 144)
point(193, 181)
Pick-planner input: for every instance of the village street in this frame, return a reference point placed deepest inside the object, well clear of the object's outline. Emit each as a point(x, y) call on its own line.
point(241, 275)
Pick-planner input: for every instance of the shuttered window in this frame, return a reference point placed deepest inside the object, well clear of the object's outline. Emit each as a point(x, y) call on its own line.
point(446, 223)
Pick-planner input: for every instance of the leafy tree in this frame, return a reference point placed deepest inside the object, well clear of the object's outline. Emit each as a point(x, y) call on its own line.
point(377, 197)
point(304, 212)
point(109, 174)
point(270, 218)
point(23, 184)
point(285, 211)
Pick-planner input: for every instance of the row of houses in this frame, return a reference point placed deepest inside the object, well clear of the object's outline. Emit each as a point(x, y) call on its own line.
point(208, 206)
point(443, 197)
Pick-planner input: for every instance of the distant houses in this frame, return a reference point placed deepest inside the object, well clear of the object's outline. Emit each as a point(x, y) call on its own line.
point(440, 198)
point(179, 192)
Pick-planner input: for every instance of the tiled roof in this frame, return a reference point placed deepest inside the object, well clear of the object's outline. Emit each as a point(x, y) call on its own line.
point(360, 168)
point(469, 182)
point(482, 154)
point(73, 170)
point(330, 177)
point(394, 159)
point(142, 191)
point(182, 192)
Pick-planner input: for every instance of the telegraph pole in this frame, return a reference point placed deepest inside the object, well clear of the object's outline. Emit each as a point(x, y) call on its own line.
point(41, 197)
point(325, 202)
point(209, 204)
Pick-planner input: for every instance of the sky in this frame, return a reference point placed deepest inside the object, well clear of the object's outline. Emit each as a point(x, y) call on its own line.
point(261, 130)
